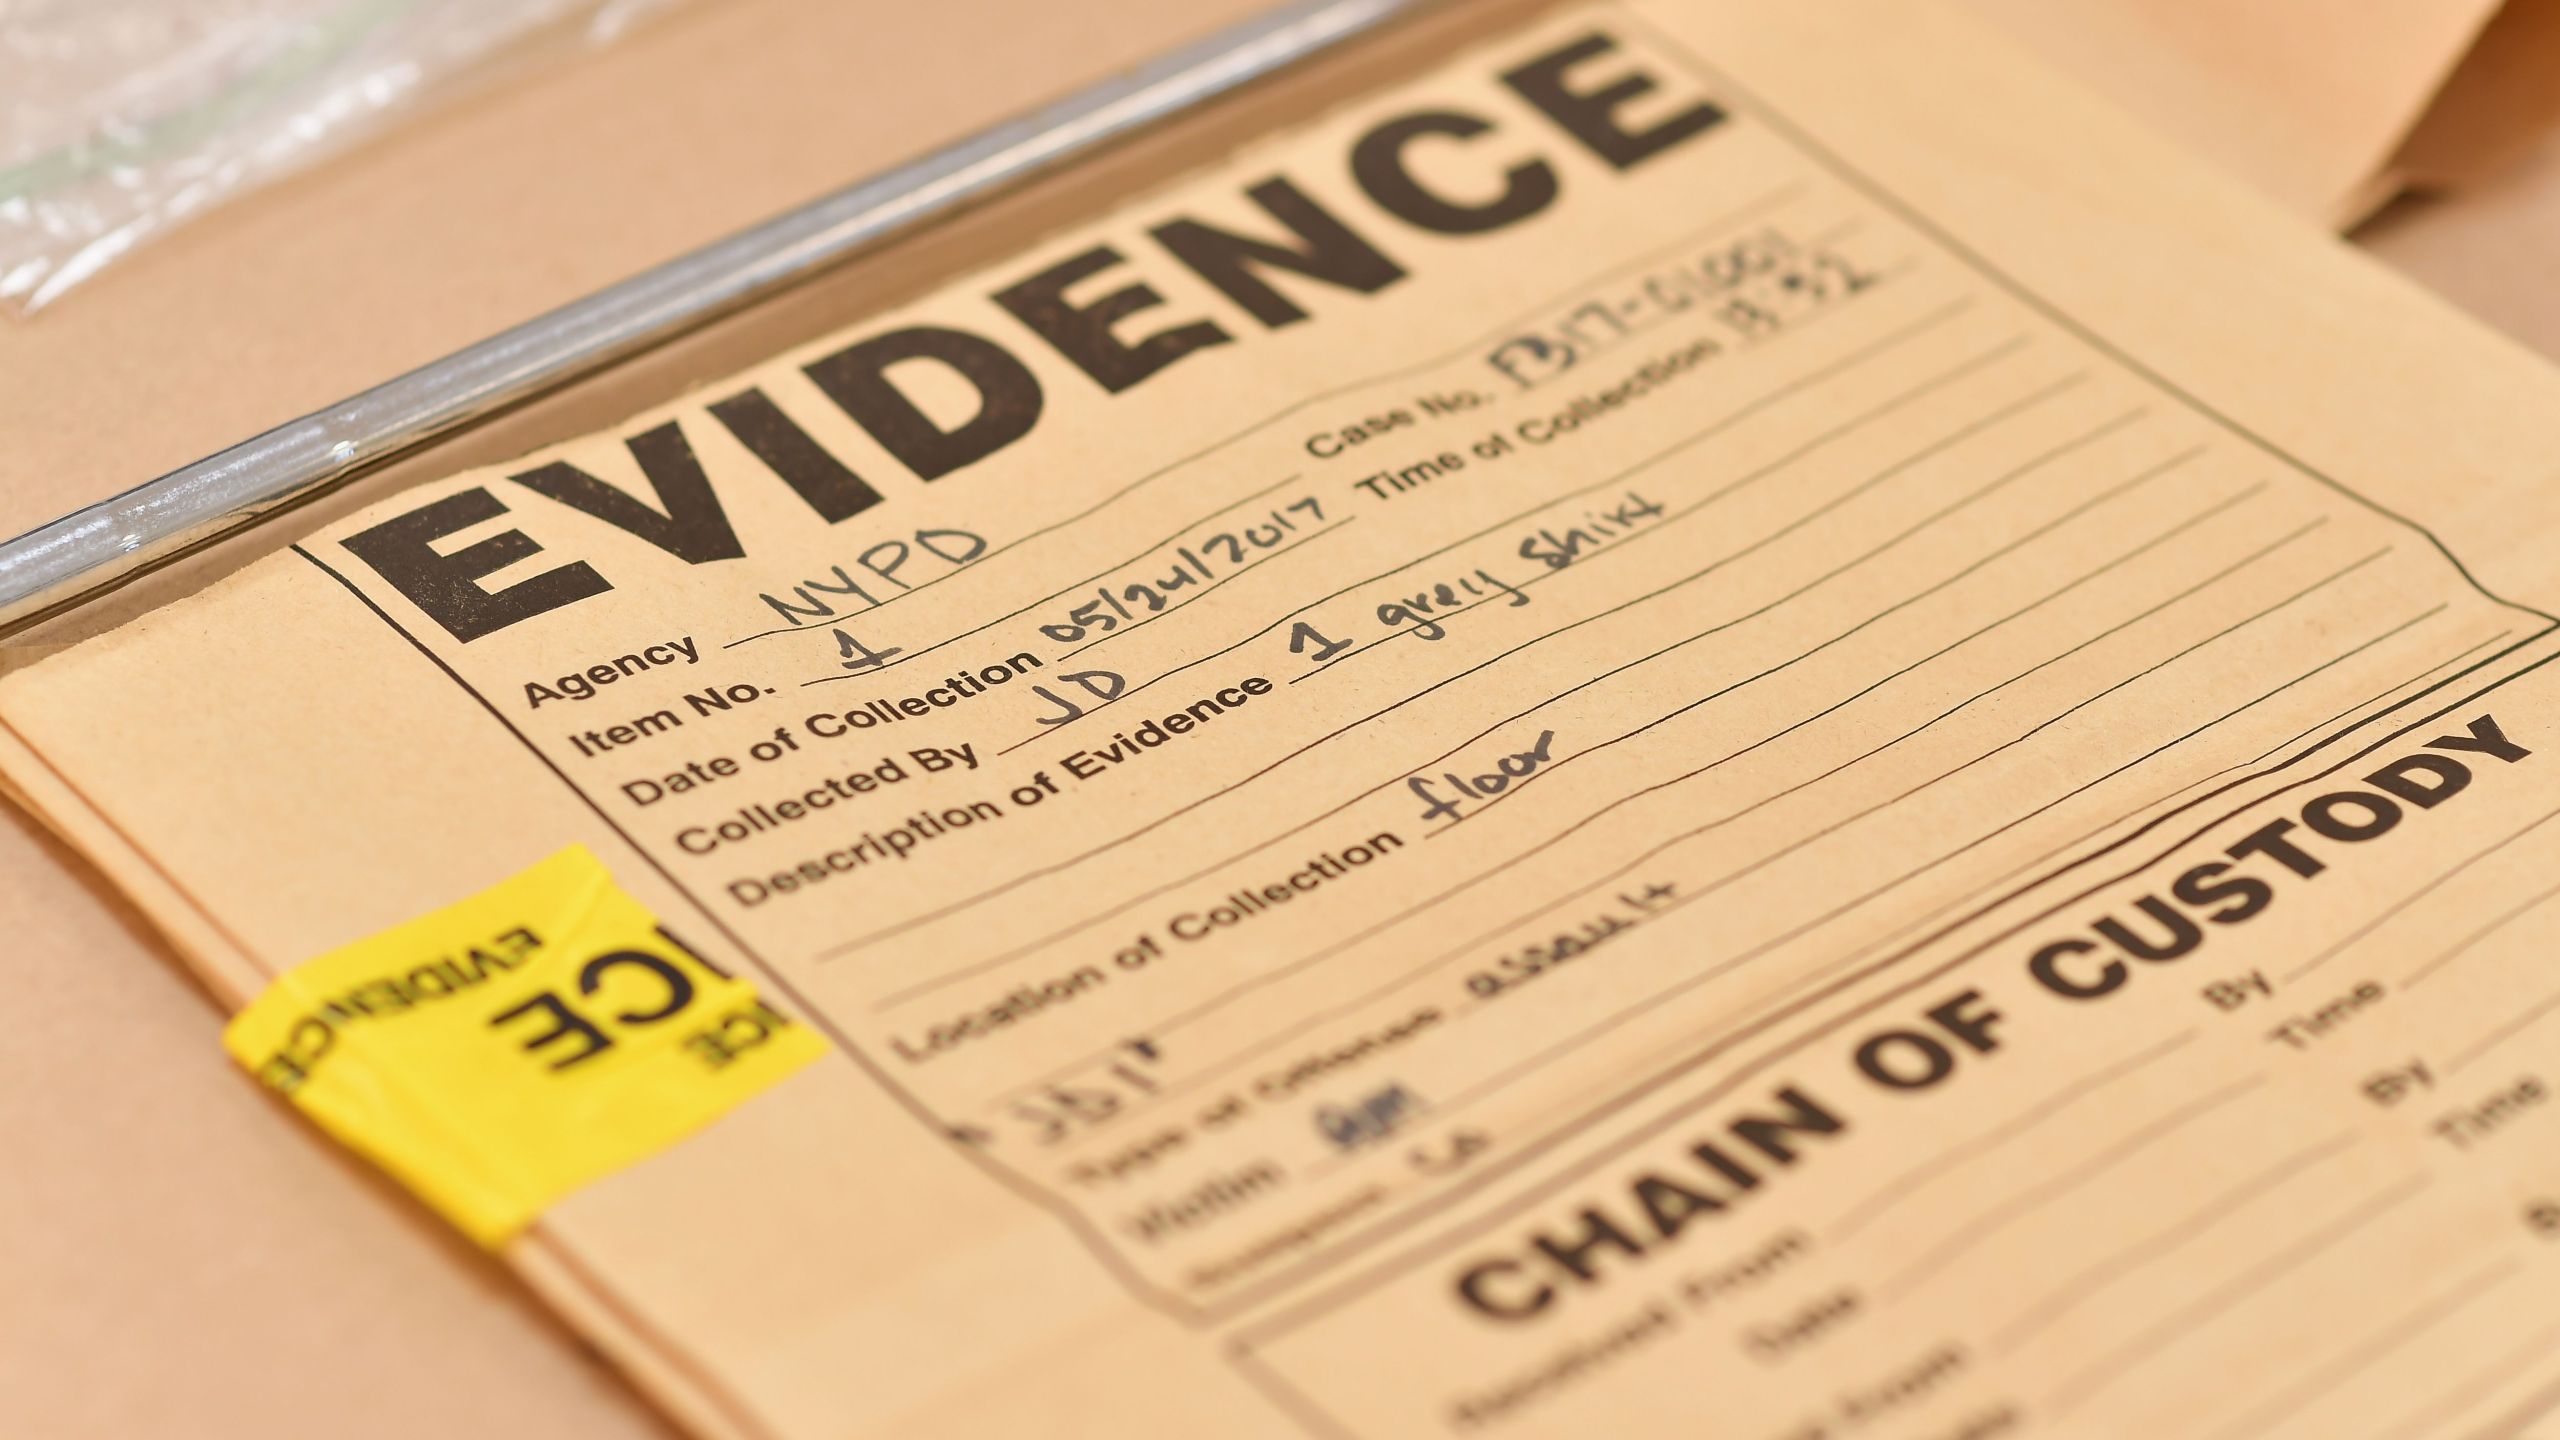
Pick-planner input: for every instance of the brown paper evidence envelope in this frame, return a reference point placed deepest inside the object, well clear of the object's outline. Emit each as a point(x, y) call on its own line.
point(2269, 283)
point(347, 1293)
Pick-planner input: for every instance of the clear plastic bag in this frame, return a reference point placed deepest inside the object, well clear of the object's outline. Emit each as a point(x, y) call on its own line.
point(119, 119)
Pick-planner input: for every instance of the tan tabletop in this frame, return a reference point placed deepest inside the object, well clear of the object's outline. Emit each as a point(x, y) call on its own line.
point(2494, 251)
point(182, 1258)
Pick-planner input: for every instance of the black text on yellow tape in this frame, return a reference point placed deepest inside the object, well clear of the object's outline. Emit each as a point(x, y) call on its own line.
point(499, 1053)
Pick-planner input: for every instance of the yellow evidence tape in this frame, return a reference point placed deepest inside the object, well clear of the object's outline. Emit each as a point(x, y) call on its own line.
point(501, 1052)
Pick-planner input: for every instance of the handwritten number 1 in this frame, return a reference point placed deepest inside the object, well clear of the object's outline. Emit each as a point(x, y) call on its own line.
point(1304, 637)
